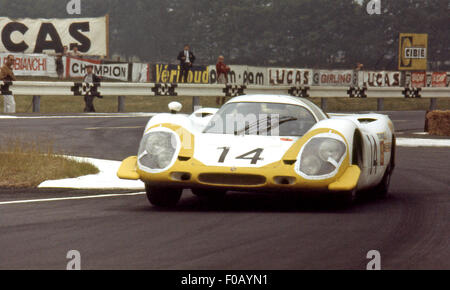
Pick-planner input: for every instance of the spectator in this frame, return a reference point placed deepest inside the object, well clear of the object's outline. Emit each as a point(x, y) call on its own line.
point(359, 66)
point(186, 58)
point(222, 70)
point(90, 78)
point(76, 52)
point(222, 76)
point(7, 74)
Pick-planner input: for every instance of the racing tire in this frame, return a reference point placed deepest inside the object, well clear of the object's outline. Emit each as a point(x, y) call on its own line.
point(344, 199)
point(382, 189)
point(213, 194)
point(163, 197)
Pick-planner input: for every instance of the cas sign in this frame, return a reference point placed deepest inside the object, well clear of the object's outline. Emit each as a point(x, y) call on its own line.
point(51, 35)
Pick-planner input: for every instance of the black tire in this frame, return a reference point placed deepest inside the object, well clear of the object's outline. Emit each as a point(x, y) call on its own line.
point(343, 199)
point(382, 189)
point(163, 197)
point(209, 193)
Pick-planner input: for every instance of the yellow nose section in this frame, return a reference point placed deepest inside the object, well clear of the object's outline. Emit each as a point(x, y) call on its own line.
point(347, 181)
point(127, 169)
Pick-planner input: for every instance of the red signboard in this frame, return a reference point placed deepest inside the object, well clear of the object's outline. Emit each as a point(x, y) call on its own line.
point(418, 79)
point(439, 79)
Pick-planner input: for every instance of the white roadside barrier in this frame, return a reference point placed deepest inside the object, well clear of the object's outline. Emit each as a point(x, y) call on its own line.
point(121, 90)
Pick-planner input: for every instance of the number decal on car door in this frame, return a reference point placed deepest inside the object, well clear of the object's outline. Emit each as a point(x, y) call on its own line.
point(254, 155)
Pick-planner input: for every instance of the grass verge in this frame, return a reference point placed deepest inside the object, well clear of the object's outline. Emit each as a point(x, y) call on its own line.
point(27, 164)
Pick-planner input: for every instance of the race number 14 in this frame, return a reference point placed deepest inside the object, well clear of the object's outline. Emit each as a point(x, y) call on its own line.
point(254, 155)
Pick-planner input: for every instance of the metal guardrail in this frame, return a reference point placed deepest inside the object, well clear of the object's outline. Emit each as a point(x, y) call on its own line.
point(121, 90)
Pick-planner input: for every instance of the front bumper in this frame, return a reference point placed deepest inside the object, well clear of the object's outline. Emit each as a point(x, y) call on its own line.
point(276, 176)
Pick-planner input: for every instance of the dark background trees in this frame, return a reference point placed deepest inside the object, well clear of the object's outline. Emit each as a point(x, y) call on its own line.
point(295, 33)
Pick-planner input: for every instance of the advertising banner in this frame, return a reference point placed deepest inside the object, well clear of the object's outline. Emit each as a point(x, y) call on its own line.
point(334, 77)
point(141, 73)
point(51, 35)
point(412, 52)
point(241, 74)
point(76, 67)
point(31, 64)
point(170, 73)
point(418, 79)
point(382, 79)
point(439, 79)
point(290, 76)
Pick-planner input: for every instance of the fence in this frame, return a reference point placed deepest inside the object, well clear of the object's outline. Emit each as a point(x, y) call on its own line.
point(121, 90)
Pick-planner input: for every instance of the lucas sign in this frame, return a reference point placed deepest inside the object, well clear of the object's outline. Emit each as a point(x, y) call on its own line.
point(51, 35)
point(412, 54)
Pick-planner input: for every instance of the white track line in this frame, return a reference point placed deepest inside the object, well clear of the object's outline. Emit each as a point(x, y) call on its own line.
point(69, 198)
point(417, 142)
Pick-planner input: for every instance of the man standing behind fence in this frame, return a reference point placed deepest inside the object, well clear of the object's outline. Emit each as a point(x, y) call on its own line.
point(6, 74)
point(90, 78)
point(186, 58)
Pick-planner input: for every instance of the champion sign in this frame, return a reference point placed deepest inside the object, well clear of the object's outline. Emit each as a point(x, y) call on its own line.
point(76, 67)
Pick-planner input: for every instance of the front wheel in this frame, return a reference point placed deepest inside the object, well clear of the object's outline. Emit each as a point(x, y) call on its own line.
point(343, 199)
point(163, 197)
point(209, 193)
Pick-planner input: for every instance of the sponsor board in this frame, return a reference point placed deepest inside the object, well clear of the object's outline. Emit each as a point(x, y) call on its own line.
point(51, 35)
point(412, 54)
point(334, 77)
point(76, 67)
point(439, 79)
point(418, 79)
point(382, 79)
point(31, 64)
point(141, 73)
point(170, 73)
point(241, 75)
point(290, 76)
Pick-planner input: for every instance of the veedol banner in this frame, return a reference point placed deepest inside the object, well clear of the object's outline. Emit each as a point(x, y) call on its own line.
point(76, 67)
point(241, 75)
point(50, 35)
point(170, 73)
point(439, 79)
point(31, 64)
point(289, 76)
point(382, 79)
point(418, 79)
point(141, 73)
point(335, 77)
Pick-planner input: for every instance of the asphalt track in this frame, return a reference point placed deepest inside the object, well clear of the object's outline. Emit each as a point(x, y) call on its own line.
point(410, 228)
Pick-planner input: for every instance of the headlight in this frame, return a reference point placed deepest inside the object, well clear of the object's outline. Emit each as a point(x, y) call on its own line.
point(321, 156)
point(157, 149)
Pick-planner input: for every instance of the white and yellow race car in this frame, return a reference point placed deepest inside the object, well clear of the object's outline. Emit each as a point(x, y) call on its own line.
point(266, 143)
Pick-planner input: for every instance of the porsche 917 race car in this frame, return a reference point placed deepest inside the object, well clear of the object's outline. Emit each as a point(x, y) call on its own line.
point(265, 143)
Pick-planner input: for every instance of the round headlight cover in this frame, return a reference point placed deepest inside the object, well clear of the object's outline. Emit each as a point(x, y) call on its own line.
point(158, 150)
point(321, 156)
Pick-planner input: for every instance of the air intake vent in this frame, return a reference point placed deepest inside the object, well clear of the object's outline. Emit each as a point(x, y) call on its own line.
point(232, 179)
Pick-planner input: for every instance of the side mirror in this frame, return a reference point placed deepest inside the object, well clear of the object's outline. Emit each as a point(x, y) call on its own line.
point(175, 107)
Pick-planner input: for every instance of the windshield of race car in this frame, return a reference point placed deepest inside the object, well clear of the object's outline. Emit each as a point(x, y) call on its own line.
point(271, 119)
